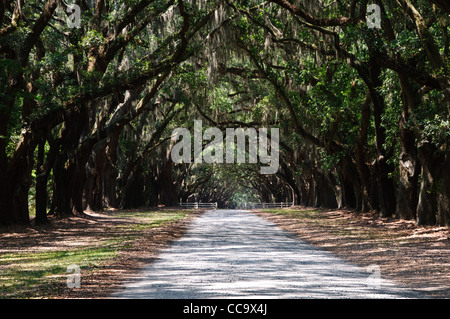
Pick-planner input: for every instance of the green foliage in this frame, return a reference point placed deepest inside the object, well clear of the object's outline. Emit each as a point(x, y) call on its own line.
point(251, 64)
point(436, 130)
point(330, 161)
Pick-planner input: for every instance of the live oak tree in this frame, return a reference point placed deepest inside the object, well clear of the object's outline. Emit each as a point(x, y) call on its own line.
point(82, 83)
point(86, 114)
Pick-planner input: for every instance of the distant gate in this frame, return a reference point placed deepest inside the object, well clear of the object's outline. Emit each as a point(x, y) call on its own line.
point(268, 205)
point(197, 205)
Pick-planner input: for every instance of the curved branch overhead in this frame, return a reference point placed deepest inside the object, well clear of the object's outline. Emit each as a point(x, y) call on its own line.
point(362, 112)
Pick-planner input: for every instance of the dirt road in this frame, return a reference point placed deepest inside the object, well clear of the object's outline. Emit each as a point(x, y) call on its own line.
point(236, 254)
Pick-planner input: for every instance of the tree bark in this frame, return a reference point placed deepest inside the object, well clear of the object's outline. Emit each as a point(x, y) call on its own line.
point(18, 179)
point(110, 173)
point(408, 172)
point(363, 170)
point(350, 184)
point(444, 191)
point(386, 193)
point(427, 203)
point(168, 194)
point(94, 179)
point(41, 186)
point(408, 176)
point(69, 167)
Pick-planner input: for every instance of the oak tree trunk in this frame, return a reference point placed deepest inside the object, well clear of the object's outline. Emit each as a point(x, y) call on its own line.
point(427, 203)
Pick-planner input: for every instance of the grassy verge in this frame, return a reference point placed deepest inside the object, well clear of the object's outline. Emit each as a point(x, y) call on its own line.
point(38, 271)
point(307, 215)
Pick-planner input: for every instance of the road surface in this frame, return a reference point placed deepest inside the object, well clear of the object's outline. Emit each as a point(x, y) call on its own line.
point(236, 254)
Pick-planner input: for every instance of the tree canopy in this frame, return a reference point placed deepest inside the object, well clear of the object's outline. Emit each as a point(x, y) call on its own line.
point(87, 106)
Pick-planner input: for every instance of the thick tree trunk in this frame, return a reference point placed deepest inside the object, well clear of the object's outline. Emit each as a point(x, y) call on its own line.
point(77, 204)
point(310, 198)
point(41, 186)
point(168, 194)
point(19, 179)
point(328, 194)
point(132, 195)
point(109, 185)
point(386, 193)
point(408, 172)
point(408, 177)
point(5, 212)
point(70, 166)
point(386, 190)
point(323, 191)
point(62, 179)
point(94, 179)
point(316, 190)
point(110, 172)
point(152, 190)
point(304, 192)
point(289, 178)
point(444, 191)
point(427, 204)
point(69, 179)
point(42, 173)
point(350, 184)
point(363, 171)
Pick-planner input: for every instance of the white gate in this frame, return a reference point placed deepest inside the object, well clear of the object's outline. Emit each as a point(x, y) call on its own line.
point(269, 205)
point(197, 205)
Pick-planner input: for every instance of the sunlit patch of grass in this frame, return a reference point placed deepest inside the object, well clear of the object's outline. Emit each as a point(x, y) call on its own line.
point(152, 217)
point(147, 220)
point(295, 213)
point(25, 275)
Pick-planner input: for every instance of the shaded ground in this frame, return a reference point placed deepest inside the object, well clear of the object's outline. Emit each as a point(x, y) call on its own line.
point(143, 251)
point(140, 242)
point(414, 256)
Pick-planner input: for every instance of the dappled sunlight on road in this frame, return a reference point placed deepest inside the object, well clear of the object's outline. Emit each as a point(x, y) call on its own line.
point(236, 254)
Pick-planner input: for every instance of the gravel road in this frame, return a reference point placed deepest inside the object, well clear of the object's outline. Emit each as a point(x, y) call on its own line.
point(236, 254)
